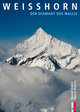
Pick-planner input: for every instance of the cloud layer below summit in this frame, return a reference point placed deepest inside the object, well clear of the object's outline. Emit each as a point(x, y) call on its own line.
point(22, 84)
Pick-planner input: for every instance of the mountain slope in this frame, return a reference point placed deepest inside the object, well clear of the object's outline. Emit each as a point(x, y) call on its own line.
point(41, 59)
point(65, 55)
point(41, 41)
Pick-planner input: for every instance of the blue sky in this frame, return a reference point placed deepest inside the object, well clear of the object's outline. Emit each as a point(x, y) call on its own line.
point(16, 26)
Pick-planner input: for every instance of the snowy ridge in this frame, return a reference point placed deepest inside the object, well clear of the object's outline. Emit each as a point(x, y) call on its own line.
point(40, 59)
point(66, 55)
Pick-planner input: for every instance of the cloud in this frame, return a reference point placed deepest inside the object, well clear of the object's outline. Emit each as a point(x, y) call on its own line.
point(5, 48)
point(3, 53)
point(64, 100)
point(23, 84)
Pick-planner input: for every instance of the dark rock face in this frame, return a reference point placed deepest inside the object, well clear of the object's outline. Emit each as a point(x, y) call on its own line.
point(14, 61)
point(54, 61)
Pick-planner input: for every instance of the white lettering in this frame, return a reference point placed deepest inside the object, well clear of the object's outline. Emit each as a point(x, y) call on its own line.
point(6, 6)
point(30, 6)
point(56, 6)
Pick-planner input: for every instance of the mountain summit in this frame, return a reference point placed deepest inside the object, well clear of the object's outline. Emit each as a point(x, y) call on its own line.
point(44, 50)
point(40, 30)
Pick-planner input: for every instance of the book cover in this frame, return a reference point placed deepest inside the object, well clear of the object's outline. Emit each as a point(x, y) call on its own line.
point(39, 56)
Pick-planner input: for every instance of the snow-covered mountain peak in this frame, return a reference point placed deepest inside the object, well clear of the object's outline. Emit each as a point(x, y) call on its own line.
point(40, 34)
point(65, 54)
point(38, 42)
point(41, 41)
